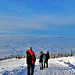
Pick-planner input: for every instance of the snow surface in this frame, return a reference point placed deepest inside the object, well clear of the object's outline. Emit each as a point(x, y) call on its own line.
point(13, 45)
point(18, 45)
point(57, 66)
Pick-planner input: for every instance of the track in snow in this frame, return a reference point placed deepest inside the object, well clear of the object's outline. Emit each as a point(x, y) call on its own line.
point(53, 69)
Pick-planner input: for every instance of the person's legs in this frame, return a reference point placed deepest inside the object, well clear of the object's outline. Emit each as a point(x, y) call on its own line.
point(44, 64)
point(41, 65)
point(28, 69)
point(32, 69)
point(47, 64)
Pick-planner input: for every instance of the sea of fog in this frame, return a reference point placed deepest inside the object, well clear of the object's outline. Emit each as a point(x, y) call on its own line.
point(19, 44)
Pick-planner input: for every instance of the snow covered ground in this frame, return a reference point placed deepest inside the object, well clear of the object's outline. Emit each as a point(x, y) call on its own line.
point(57, 66)
point(13, 45)
point(19, 44)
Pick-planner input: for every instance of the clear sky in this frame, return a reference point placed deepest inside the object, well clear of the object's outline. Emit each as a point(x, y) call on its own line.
point(37, 17)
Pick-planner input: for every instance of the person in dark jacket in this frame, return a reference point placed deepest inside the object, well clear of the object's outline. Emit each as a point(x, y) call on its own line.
point(46, 57)
point(41, 60)
point(30, 61)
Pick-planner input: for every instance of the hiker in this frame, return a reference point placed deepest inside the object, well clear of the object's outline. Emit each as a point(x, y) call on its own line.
point(30, 59)
point(46, 57)
point(41, 60)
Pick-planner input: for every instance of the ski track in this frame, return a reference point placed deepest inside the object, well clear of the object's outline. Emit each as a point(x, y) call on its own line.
point(51, 70)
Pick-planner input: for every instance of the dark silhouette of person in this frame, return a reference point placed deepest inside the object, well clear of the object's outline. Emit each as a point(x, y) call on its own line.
point(46, 57)
point(41, 60)
point(30, 59)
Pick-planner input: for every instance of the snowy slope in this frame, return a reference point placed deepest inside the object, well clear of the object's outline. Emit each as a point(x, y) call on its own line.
point(13, 45)
point(57, 66)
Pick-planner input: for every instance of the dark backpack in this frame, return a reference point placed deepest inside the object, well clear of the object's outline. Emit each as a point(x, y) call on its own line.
point(29, 58)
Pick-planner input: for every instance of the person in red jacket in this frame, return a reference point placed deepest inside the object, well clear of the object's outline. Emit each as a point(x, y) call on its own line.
point(30, 59)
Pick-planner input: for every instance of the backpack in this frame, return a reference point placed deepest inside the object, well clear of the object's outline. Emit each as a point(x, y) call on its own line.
point(48, 56)
point(29, 58)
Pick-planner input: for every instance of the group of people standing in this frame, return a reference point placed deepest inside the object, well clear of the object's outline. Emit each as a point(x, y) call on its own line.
point(43, 58)
point(31, 58)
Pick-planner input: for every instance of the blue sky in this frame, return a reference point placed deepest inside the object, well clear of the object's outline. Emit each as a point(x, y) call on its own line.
point(37, 17)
